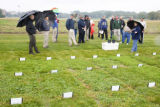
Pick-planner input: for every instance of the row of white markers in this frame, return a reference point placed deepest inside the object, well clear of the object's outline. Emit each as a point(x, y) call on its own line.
point(70, 94)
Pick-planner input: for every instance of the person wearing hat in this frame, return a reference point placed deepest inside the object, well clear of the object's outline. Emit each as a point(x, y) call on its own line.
point(31, 30)
point(81, 28)
point(71, 32)
point(45, 30)
point(142, 33)
point(136, 31)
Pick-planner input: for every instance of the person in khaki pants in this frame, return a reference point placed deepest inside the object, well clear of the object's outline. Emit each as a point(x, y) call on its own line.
point(71, 32)
point(45, 31)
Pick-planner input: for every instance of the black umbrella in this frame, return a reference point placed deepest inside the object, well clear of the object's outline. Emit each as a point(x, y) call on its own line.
point(22, 21)
point(50, 14)
point(130, 24)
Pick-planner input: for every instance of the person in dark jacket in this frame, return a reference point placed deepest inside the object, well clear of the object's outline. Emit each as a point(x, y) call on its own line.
point(135, 36)
point(70, 27)
point(122, 24)
point(81, 28)
point(99, 28)
point(103, 27)
point(87, 23)
point(111, 25)
point(45, 30)
point(31, 30)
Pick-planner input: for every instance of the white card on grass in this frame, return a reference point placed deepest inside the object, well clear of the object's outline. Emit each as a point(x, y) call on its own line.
point(18, 73)
point(16, 101)
point(118, 55)
point(67, 95)
point(140, 65)
point(115, 88)
point(49, 58)
point(137, 54)
point(73, 57)
point(89, 68)
point(95, 56)
point(54, 71)
point(152, 84)
point(22, 59)
point(154, 53)
point(114, 66)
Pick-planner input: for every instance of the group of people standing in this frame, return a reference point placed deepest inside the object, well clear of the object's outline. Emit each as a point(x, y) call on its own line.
point(83, 25)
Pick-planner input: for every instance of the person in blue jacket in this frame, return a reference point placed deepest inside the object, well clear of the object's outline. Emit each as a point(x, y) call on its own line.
point(55, 30)
point(81, 28)
point(103, 27)
point(135, 36)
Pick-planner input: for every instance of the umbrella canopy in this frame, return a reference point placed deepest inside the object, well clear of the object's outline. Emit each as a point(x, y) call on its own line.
point(22, 21)
point(130, 24)
point(50, 14)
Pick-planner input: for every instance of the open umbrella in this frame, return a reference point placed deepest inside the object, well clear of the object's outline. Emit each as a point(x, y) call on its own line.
point(55, 10)
point(130, 24)
point(22, 21)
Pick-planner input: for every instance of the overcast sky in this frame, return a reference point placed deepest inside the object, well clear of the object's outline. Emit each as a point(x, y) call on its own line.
point(82, 5)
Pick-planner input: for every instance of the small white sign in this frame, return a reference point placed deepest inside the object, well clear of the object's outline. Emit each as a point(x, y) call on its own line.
point(152, 84)
point(89, 68)
point(18, 74)
point(154, 53)
point(95, 56)
point(114, 66)
point(73, 57)
point(67, 95)
point(137, 54)
point(49, 58)
point(54, 71)
point(115, 88)
point(140, 65)
point(22, 59)
point(16, 101)
point(118, 55)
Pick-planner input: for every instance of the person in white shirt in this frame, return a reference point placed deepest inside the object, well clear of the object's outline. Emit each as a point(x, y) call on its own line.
point(142, 34)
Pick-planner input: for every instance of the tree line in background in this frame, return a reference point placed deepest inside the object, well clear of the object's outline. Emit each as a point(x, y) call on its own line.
point(155, 15)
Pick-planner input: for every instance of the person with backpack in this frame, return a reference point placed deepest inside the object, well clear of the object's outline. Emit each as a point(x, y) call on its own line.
point(136, 32)
point(103, 27)
point(45, 30)
point(71, 32)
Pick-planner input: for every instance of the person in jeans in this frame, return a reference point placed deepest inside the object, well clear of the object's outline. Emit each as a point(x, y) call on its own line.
point(136, 32)
point(116, 28)
point(111, 25)
point(71, 32)
point(45, 30)
point(126, 34)
point(75, 24)
point(81, 28)
point(31, 30)
point(103, 27)
point(122, 24)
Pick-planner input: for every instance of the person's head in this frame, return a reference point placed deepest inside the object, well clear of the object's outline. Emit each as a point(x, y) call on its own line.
point(81, 17)
point(135, 23)
point(116, 17)
point(113, 17)
point(142, 19)
point(104, 17)
point(71, 16)
point(121, 18)
point(46, 18)
point(31, 17)
point(131, 18)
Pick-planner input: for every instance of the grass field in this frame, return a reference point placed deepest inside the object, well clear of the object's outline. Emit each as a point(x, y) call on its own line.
point(39, 88)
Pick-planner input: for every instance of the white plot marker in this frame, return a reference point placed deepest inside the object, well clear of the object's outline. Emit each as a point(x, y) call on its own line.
point(137, 54)
point(95, 56)
point(68, 95)
point(22, 59)
point(115, 88)
point(152, 84)
point(49, 58)
point(89, 68)
point(114, 66)
point(140, 65)
point(54, 71)
point(18, 73)
point(16, 101)
point(118, 55)
point(154, 53)
point(73, 57)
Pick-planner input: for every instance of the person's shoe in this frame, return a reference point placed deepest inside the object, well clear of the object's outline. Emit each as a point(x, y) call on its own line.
point(31, 53)
point(37, 52)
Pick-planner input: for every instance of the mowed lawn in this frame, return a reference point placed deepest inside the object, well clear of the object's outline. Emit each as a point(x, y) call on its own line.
point(39, 88)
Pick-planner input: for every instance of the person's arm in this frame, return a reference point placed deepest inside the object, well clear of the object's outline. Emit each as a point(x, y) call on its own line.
point(67, 24)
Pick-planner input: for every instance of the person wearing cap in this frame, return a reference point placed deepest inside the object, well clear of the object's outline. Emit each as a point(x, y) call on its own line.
point(81, 28)
point(45, 30)
point(116, 28)
point(142, 33)
point(71, 32)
